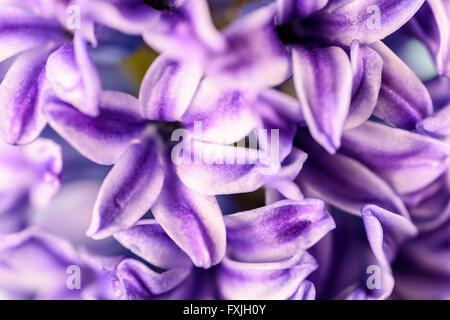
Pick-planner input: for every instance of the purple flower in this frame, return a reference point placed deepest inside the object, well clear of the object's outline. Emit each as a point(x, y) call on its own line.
point(266, 257)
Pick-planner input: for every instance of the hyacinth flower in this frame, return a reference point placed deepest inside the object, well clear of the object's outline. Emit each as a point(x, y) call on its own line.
point(49, 57)
point(267, 257)
point(146, 173)
point(342, 38)
point(30, 177)
point(35, 264)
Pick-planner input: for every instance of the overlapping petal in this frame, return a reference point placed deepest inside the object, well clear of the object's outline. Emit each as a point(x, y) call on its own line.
point(323, 81)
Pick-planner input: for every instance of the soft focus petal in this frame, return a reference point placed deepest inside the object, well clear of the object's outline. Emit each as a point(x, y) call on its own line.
point(323, 81)
point(289, 9)
point(102, 139)
point(438, 125)
point(21, 30)
point(254, 51)
point(276, 232)
point(129, 190)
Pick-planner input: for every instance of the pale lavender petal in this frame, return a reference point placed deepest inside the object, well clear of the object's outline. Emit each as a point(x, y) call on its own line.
point(366, 66)
point(21, 30)
point(168, 88)
point(264, 281)
point(129, 190)
point(254, 51)
point(366, 21)
point(102, 139)
point(215, 110)
point(192, 220)
point(403, 99)
point(276, 232)
point(73, 76)
point(407, 160)
point(149, 241)
point(220, 169)
point(323, 81)
point(21, 98)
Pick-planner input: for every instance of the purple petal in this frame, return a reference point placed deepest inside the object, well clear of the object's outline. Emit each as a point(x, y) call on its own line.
point(403, 99)
point(289, 9)
point(439, 89)
point(276, 232)
point(215, 110)
point(438, 125)
point(186, 32)
point(264, 281)
point(21, 30)
point(407, 160)
point(366, 21)
point(74, 78)
point(139, 282)
point(192, 220)
point(102, 139)
point(21, 95)
point(129, 190)
point(168, 88)
point(254, 51)
point(149, 241)
point(431, 25)
point(306, 291)
point(366, 66)
point(343, 181)
point(219, 169)
point(325, 100)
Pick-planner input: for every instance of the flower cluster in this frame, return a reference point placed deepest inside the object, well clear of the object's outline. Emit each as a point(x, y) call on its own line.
point(194, 149)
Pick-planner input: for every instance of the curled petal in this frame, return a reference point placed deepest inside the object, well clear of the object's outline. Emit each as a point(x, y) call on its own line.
point(267, 281)
point(439, 89)
point(366, 66)
point(323, 81)
point(278, 231)
point(306, 291)
point(74, 78)
point(438, 125)
point(139, 282)
point(366, 21)
point(254, 51)
point(192, 220)
point(129, 190)
point(168, 88)
point(21, 98)
point(149, 241)
point(288, 9)
point(407, 160)
point(102, 139)
point(403, 98)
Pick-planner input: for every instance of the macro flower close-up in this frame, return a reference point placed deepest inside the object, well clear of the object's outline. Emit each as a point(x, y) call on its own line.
point(224, 150)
